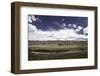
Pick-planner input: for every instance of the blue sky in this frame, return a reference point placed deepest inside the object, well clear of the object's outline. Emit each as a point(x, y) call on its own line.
point(46, 23)
point(42, 27)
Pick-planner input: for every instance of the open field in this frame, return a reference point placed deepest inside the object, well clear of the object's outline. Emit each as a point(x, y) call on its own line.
point(49, 50)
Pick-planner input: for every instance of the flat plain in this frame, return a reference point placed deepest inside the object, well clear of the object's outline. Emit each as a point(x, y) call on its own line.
point(51, 50)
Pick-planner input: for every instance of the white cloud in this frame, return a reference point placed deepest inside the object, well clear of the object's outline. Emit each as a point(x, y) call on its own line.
point(77, 30)
point(33, 18)
point(86, 30)
point(30, 18)
point(74, 25)
point(63, 25)
point(32, 28)
point(79, 27)
point(63, 34)
point(69, 25)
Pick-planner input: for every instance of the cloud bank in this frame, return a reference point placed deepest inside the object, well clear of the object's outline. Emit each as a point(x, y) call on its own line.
point(62, 34)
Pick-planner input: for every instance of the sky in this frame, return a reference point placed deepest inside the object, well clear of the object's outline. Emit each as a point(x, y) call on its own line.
point(43, 27)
